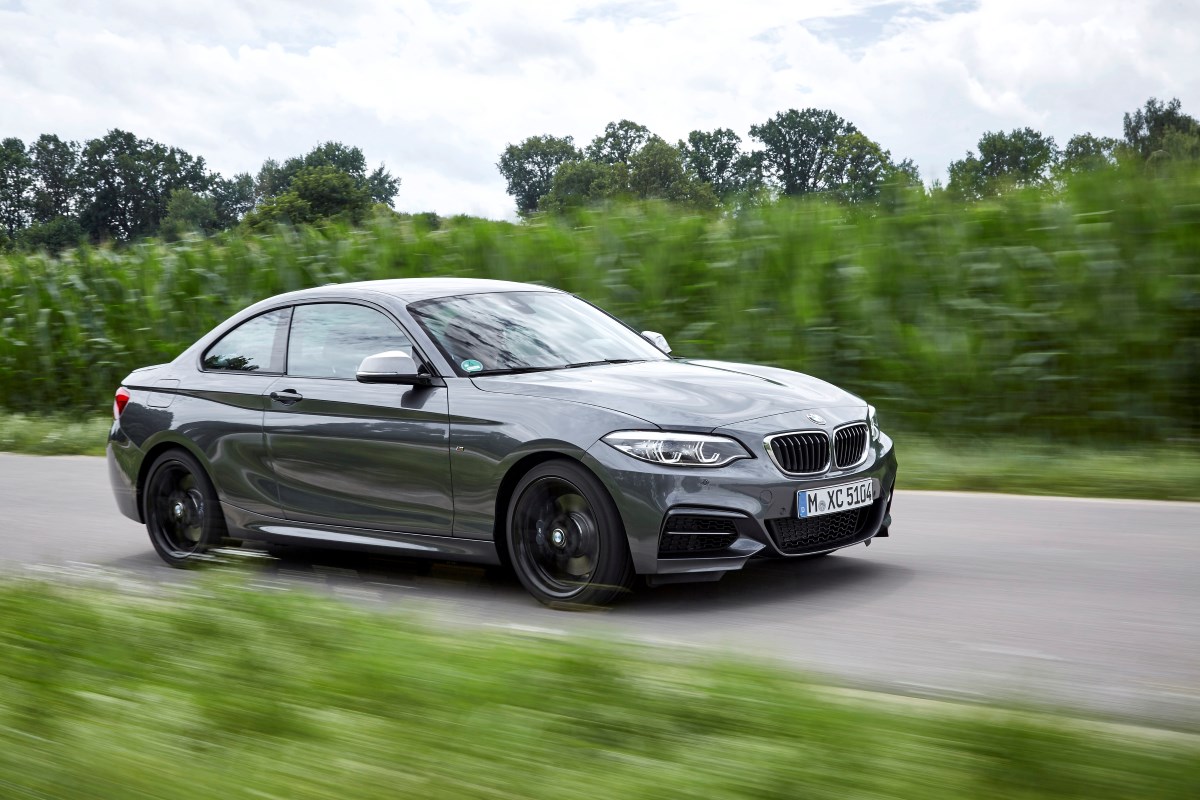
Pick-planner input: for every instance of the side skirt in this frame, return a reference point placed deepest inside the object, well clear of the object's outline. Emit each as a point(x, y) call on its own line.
point(255, 527)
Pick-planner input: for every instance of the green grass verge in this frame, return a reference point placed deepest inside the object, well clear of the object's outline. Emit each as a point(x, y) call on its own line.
point(220, 691)
point(1003, 465)
point(1151, 472)
point(56, 435)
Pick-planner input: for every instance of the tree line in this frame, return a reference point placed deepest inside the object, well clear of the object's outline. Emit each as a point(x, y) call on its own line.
point(120, 188)
point(56, 193)
point(815, 151)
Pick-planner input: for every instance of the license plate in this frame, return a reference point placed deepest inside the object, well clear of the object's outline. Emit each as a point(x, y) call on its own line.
point(831, 499)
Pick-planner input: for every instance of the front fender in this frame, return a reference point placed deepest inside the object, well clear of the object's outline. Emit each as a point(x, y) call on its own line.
point(492, 435)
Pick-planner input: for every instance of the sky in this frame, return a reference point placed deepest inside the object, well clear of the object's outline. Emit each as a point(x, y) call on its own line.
point(435, 89)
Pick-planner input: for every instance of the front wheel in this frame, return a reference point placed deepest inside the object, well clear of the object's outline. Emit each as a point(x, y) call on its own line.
point(565, 537)
point(182, 512)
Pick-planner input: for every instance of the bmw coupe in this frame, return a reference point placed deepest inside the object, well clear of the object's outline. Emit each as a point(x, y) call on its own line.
point(492, 422)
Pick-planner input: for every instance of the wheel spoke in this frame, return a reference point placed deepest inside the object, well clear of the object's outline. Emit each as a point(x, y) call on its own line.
point(571, 502)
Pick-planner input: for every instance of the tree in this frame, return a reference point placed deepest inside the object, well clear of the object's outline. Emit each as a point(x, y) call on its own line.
point(125, 183)
point(619, 142)
point(53, 235)
point(529, 167)
point(1021, 157)
point(270, 181)
point(274, 178)
point(716, 158)
point(15, 183)
point(1179, 145)
point(800, 149)
point(1147, 128)
point(861, 167)
point(55, 166)
point(188, 212)
point(656, 172)
point(815, 150)
point(906, 173)
point(233, 198)
point(580, 183)
point(316, 193)
point(1086, 153)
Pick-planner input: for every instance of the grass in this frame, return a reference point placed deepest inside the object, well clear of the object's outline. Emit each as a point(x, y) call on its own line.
point(1012, 466)
point(221, 691)
point(53, 435)
point(1006, 465)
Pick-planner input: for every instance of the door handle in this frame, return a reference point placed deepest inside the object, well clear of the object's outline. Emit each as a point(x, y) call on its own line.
point(287, 397)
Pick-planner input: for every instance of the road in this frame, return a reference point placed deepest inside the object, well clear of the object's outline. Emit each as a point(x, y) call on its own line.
point(1090, 605)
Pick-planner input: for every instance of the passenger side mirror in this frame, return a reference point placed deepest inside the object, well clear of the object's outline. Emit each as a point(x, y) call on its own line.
point(394, 366)
point(658, 340)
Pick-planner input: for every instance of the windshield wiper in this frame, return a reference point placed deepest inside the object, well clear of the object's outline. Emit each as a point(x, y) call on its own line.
point(516, 370)
point(604, 361)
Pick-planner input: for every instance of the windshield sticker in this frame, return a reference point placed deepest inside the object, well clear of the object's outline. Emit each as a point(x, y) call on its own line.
point(471, 365)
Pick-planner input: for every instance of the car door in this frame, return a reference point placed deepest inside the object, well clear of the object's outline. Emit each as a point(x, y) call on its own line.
point(220, 408)
point(344, 453)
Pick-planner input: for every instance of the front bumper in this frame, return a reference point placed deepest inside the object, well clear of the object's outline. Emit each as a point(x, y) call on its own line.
point(752, 493)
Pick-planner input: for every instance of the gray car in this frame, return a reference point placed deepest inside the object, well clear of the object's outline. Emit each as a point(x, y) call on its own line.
point(491, 422)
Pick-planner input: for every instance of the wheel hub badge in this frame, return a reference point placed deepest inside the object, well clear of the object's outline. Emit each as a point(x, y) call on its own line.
point(559, 537)
point(178, 511)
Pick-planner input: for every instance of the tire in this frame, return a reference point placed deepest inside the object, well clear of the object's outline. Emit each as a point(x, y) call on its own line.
point(565, 538)
point(181, 509)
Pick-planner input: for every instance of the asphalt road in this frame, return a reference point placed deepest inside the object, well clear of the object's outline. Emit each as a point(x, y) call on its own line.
point(1090, 605)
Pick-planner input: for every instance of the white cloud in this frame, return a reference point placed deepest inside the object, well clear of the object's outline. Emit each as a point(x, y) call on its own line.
point(436, 89)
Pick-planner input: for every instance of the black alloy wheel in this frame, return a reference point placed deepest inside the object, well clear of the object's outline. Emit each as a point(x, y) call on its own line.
point(565, 537)
point(182, 513)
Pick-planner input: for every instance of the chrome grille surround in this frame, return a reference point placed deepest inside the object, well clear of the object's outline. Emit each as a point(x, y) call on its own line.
point(850, 444)
point(807, 451)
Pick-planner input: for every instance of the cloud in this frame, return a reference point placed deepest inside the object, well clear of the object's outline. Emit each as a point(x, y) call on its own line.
point(437, 89)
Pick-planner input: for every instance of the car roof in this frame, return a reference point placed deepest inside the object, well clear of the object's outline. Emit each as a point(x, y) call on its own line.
point(410, 290)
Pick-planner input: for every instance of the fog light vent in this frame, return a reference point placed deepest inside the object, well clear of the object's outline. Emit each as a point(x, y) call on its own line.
point(690, 533)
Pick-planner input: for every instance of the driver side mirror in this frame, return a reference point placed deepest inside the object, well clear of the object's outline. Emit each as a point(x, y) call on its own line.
point(394, 366)
point(658, 340)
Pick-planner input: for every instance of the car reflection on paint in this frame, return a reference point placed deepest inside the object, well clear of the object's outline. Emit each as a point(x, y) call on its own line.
point(491, 422)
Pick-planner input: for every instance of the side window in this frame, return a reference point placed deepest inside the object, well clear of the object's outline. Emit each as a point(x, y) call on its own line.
point(330, 340)
point(257, 345)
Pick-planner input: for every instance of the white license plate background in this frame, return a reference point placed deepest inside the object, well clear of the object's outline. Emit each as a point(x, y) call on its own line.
point(832, 499)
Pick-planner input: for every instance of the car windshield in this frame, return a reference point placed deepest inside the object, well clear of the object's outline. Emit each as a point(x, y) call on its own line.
point(507, 332)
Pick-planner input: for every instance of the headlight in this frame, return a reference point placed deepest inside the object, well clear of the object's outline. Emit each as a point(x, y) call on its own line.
point(873, 421)
point(677, 449)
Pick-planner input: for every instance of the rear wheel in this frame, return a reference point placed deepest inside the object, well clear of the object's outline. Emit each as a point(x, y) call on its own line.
point(183, 515)
point(565, 537)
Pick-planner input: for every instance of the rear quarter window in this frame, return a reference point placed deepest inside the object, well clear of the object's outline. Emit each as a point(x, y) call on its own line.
point(257, 345)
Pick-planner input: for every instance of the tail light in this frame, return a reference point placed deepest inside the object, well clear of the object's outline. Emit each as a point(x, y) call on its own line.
point(120, 401)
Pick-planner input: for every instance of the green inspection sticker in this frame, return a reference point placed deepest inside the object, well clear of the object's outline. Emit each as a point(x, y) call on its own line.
point(471, 365)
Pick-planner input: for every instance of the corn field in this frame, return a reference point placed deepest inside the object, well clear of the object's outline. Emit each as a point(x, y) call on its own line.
point(1065, 316)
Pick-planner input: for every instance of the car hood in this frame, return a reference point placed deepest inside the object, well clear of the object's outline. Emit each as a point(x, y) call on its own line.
point(687, 395)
